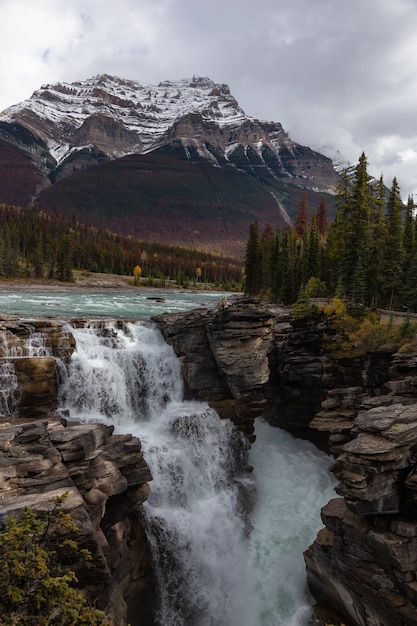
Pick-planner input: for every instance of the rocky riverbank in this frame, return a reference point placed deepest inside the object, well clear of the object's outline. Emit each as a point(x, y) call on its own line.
point(82, 281)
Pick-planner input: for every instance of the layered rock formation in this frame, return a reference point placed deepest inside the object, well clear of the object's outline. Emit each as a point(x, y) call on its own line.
point(364, 562)
point(104, 475)
point(224, 356)
point(106, 480)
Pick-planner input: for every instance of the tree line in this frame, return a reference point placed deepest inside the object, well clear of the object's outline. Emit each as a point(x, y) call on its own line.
point(36, 244)
point(366, 256)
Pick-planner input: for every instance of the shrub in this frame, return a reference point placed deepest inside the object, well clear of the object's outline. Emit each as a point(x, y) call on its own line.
point(37, 588)
point(315, 288)
point(361, 331)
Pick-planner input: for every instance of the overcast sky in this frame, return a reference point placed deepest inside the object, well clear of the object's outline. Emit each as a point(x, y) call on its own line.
point(340, 75)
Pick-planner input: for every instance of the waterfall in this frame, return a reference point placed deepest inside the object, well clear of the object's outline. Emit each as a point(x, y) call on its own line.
point(8, 387)
point(127, 375)
point(122, 373)
point(213, 565)
point(11, 348)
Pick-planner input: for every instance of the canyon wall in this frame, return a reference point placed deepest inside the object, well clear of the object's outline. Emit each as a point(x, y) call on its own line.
point(248, 359)
point(224, 356)
point(364, 562)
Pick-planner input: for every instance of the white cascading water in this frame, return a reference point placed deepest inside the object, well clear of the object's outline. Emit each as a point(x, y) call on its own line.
point(8, 387)
point(35, 346)
point(213, 568)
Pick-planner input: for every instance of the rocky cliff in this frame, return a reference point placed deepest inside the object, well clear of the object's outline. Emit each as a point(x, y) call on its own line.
point(224, 356)
point(104, 475)
point(362, 566)
point(364, 561)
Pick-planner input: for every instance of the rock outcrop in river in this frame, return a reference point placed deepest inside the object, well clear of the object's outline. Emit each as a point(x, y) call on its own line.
point(224, 356)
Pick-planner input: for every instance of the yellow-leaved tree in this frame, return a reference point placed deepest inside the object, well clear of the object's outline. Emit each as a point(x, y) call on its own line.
point(137, 271)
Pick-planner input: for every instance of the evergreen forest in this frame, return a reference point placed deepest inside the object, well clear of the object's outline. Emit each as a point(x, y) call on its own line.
point(35, 244)
point(367, 256)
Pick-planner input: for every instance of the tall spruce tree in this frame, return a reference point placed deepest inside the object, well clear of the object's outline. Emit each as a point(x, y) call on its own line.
point(322, 217)
point(394, 250)
point(376, 245)
point(291, 279)
point(337, 234)
point(313, 250)
point(302, 217)
point(409, 285)
point(252, 262)
point(409, 233)
point(357, 229)
point(266, 246)
point(276, 266)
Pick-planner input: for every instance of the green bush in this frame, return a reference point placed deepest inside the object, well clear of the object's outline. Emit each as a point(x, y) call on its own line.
point(38, 589)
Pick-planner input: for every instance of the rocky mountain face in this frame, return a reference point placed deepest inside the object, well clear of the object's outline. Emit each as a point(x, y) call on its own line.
point(64, 141)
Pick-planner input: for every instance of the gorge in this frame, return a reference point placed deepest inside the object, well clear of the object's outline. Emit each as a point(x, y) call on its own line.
point(240, 360)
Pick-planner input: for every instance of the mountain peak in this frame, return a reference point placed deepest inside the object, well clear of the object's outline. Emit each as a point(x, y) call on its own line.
point(184, 141)
point(58, 112)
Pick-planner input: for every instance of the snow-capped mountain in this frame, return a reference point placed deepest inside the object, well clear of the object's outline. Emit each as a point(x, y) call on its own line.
point(68, 127)
point(67, 114)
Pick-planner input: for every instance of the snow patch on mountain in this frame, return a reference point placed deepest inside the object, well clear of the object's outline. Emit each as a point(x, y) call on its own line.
point(147, 110)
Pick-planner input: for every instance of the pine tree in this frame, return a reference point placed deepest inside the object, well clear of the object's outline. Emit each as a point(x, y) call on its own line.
point(409, 233)
point(336, 238)
point(291, 279)
point(313, 261)
point(302, 217)
point(321, 216)
point(266, 245)
point(252, 262)
point(354, 255)
point(409, 287)
point(376, 245)
point(394, 250)
point(276, 266)
point(65, 260)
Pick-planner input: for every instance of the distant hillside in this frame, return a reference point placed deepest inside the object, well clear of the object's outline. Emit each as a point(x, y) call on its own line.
point(179, 162)
point(19, 177)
